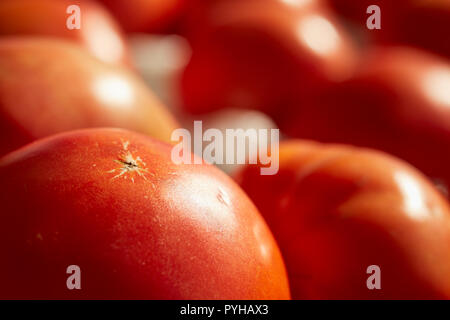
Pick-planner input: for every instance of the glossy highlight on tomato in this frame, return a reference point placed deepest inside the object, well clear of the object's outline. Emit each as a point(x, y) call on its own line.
point(49, 86)
point(336, 210)
point(398, 102)
point(98, 33)
point(138, 226)
point(263, 54)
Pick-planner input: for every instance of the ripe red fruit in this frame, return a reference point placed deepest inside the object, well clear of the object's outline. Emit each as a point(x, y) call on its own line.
point(262, 54)
point(423, 23)
point(99, 33)
point(138, 226)
point(356, 11)
point(146, 15)
point(399, 102)
point(337, 210)
point(49, 86)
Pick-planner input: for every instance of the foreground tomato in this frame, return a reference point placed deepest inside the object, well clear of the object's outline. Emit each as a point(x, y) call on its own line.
point(138, 226)
point(98, 33)
point(399, 103)
point(423, 23)
point(50, 86)
point(145, 15)
point(262, 54)
point(337, 210)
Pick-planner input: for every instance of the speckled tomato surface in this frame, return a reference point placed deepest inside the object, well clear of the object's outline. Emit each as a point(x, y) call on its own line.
point(138, 226)
point(336, 210)
point(49, 86)
point(98, 33)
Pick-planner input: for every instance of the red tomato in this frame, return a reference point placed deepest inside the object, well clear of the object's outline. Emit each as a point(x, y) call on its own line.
point(139, 227)
point(256, 54)
point(49, 86)
point(356, 11)
point(399, 103)
point(99, 33)
point(423, 23)
point(146, 15)
point(336, 210)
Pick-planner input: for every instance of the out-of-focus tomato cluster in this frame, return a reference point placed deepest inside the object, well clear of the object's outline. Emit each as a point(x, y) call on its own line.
point(358, 209)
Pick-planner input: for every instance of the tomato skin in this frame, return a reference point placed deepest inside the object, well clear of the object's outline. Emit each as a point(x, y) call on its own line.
point(262, 55)
point(48, 86)
point(165, 232)
point(422, 23)
point(398, 103)
point(99, 33)
point(425, 25)
point(146, 15)
point(335, 210)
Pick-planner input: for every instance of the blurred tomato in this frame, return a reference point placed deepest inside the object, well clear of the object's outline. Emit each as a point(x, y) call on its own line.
point(337, 210)
point(137, 225)
point(99, 32)
point(356, 11)
point(49, 86)
point(399, 103)
point(146, 15)
point(423, 23)
point(256, 54)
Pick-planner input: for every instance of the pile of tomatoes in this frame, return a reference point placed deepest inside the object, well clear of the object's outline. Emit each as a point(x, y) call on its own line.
point(359, 208)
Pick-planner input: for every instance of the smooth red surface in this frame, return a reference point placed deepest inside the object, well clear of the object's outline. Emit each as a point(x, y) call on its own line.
point(335, 210)
point(422, 23)
point(263, 54)
point(146, 15)
point(426, 24)
point(399, 102)
point(139, 226)
point(99, 32)
point(48, 86)
point(356, 11)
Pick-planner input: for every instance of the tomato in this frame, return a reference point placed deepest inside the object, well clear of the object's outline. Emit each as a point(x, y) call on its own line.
point(337, 210)
point(146, 15)
point(356, 11)
point(138, 226)
point(399, 102)
point(99, 33)
point(49, 86)
point(262, 54)
point(423, 23)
